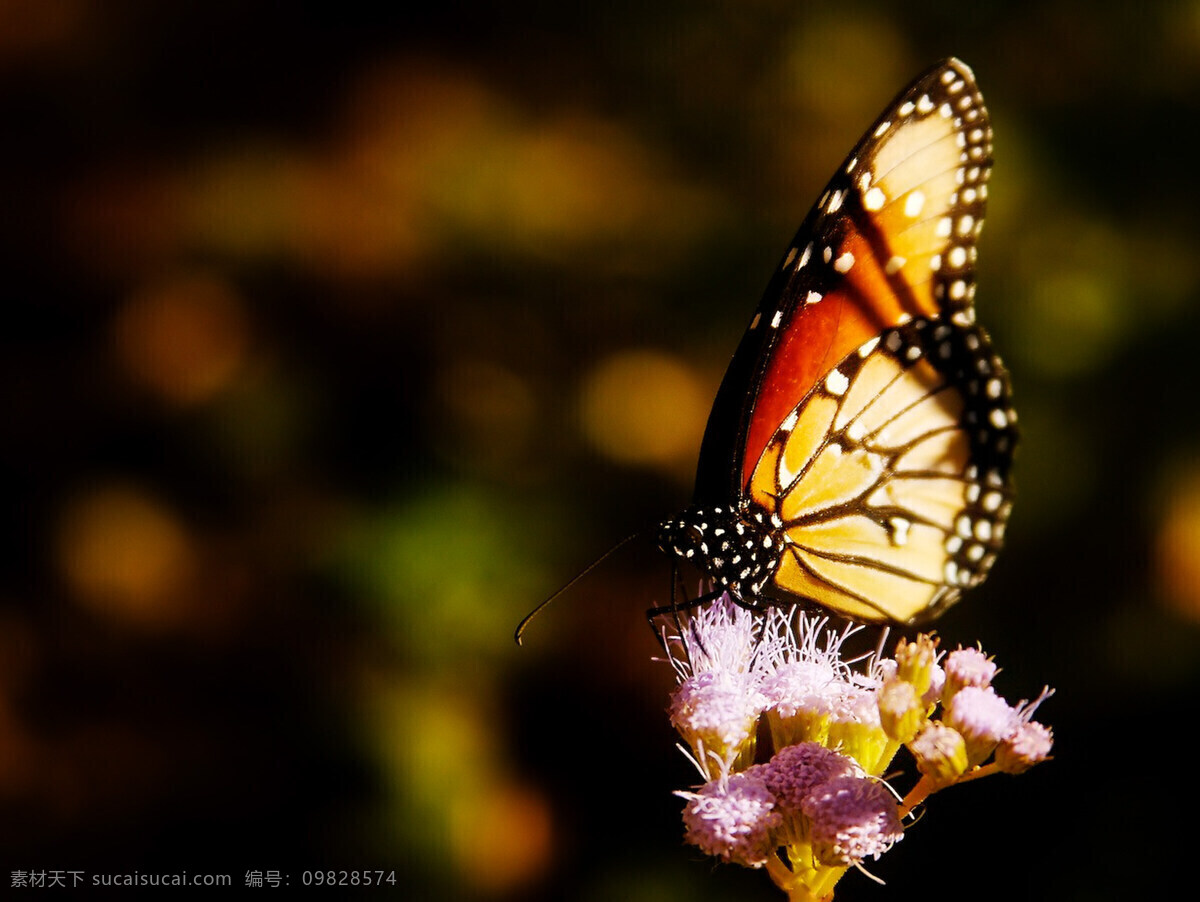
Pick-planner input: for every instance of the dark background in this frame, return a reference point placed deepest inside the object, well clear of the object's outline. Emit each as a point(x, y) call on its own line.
point(336, 339)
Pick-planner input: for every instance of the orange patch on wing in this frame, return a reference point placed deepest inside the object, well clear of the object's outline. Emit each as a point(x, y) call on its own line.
point(827, 331)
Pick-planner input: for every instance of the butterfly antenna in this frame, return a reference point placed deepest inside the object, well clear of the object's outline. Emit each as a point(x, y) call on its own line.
point(572, 581)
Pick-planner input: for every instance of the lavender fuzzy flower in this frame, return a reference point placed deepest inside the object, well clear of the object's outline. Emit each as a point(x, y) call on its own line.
point(778, 688)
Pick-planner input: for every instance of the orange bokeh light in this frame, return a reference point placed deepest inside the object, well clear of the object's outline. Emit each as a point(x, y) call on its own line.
point(126, 556)
point(1177, 550)
point(183, 338)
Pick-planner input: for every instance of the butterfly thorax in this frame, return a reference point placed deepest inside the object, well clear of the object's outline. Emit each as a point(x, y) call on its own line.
point(737, 547)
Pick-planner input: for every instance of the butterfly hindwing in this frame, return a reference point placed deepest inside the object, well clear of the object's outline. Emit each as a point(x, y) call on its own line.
point(885, 505)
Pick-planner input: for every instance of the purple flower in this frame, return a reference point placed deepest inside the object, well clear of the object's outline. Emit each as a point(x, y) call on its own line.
point(851, 818)
point(716, 714)
point(801, 685)
point(800, 696)
point(967, 667)
point(779, 679)
point(982, 718)
point(718, 659)
point(721, 637)
point(1029, 745)
point(812, 694)
point(733, 818)
point(797, 770)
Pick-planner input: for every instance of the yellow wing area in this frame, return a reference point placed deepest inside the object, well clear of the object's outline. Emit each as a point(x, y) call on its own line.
point(924, 187)
point(869, 483)
point(912, 198)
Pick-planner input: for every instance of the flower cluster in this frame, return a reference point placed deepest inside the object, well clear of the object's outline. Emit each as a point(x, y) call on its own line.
point(814, 803)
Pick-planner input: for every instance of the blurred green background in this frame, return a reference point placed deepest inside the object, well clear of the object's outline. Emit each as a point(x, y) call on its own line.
point(338, 337)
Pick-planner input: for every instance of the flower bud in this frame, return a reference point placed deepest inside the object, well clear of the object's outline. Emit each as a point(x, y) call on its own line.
point(915, 661)
point(983, 718)
point(901, 712)
point(967, 667)
point(1028, 745)
point(940, 752)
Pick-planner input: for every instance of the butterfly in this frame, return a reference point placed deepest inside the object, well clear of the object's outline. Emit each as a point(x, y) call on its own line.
point(859, 449)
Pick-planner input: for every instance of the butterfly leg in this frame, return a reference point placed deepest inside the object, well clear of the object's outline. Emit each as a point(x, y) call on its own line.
point(677, 606)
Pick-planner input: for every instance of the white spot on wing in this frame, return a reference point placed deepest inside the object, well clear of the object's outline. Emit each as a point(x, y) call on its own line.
point(868, 346)
point(836, 383)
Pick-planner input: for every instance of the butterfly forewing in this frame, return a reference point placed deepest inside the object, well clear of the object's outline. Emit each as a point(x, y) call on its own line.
point(862, 436)
point(892, 237)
